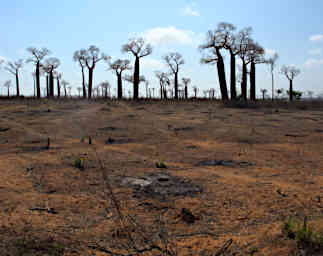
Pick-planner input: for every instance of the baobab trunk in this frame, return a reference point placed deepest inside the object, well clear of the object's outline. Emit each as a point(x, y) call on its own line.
point(37, 80)
point(47, 86)
point(136, 79)
point(176, 85)
point(290, 89)
point(58, 89)
point(51, 84)
point(83, 83)
point(90, 82)
point(221, 74)
point(17, 84)
point(244, 81)
point(161, 92)
point(119, 86)
point(233, 77)
point(252, 81)
point(186, 93)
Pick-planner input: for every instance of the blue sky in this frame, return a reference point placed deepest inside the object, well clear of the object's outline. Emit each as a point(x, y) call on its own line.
point(285, 27)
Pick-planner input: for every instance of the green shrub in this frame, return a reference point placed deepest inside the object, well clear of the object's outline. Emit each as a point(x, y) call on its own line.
point(161, 165)
point(79, 162)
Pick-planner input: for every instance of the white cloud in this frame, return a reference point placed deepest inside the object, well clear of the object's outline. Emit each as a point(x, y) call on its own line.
point(169, 35)
point(316, 38)
point(152, 64)
point(313, 62)
point(189, 10)
point(315, 51)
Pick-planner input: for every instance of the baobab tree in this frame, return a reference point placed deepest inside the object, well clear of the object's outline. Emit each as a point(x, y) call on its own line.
point(227, 30)
point(7, 84)
point(163, 82)
point(186, 81)
point(215, 41)
point(174, 60)
point(195, 90)
point(58, 77)
point(79, 57)
point(105, 86)
point(255, 55)
point(130, 79)
point(290, 72)
point(272, 64)
point(118, 67)
point(65, 84)
point(263, 91)
point(244, 41)
point(13, 68)
point(79, 89)
point(139, 49)
point(37, 56)
point(50, 65)
point(91, 57)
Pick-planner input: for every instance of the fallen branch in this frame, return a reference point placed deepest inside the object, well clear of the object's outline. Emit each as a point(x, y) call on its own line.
point(49, 210)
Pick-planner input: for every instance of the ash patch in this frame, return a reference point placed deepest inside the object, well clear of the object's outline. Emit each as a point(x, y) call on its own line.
point(227, 163)
point(161, 186)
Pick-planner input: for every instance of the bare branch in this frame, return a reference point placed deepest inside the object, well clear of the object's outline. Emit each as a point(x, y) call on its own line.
point(138, 47)
point(174, 60)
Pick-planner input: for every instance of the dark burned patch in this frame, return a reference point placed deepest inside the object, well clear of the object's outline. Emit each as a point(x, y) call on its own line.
point(4, 129)
point(186, 128)
point(108, 129)
point(34, 149)
point(316, 130)
point(227, 163)
point(110, 141)
point(161, 186)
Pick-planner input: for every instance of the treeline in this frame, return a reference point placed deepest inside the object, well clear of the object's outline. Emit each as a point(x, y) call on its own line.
point(224, 39)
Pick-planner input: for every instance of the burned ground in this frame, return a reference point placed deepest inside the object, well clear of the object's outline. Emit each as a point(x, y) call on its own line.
point(245, 170)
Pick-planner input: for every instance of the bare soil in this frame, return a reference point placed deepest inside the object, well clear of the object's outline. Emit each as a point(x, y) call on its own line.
point(245, 171)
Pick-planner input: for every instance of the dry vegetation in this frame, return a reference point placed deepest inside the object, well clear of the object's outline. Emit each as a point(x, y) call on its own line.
point(76, 198)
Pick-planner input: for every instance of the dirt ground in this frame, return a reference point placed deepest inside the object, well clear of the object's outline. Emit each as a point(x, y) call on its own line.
point(253, 167)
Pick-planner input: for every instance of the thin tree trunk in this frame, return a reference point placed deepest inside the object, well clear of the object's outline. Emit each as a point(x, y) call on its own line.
point(221, 74)
point(233, 77)
point(186, 93)
point(176, 85)
point(17, 84)
point(252, 81)
point(58, 88)
point(120, 86)
point(83, 83)
point(90, 82)
point(47, 85)
point(38, 79)
point(244, 81)
point(290, 89)
point(272, 85)
point(51, 84)
point(136, 79)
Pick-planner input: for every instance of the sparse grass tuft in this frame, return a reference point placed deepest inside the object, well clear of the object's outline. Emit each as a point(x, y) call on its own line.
point(308, 241)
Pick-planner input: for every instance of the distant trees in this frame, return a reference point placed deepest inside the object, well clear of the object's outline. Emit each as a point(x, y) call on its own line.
point(37, 56)
point(272, 64)
point(65, 84)
point(174, 60)
point(90, 58)
point(130, 79)
point(58, 77)
point(118, 67)
point(186, 82)
point(163, 83)
point(290, 72)
point(50, 65)
point(7, 84)
point(255, 56)
point(13, 68)
point(79, 57)
point(139, 48)
point(263, 92)
point(105, 87)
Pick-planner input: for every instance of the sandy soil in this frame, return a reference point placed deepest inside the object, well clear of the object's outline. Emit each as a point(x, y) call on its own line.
point(270, 167)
